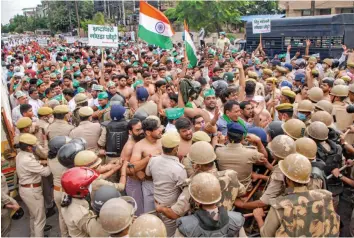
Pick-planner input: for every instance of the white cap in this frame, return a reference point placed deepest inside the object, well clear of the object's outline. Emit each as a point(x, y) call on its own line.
point(29, 65)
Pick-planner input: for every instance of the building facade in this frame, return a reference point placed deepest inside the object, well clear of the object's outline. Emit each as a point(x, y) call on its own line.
point(303, 8)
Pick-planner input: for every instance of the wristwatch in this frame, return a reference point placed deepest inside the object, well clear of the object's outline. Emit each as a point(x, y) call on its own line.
point(340, 176)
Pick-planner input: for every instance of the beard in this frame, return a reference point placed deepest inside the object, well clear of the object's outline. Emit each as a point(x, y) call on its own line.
point(138, 137)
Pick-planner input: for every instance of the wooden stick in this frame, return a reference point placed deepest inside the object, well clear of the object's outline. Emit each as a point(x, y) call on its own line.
point(341, 169)
point(251, 214)
point(346, 133)
point(258, 184)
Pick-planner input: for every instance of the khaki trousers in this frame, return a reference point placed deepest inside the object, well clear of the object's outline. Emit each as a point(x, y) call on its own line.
point(33, 198)
point(5, 222)
point(58, 196)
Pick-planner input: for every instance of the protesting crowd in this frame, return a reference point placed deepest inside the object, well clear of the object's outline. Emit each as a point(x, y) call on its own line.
point(137, 141)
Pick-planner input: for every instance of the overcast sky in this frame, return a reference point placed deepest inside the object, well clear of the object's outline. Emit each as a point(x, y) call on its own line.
point(10, 8)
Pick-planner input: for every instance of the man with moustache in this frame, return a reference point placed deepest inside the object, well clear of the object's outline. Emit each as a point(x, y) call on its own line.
point(142, 152)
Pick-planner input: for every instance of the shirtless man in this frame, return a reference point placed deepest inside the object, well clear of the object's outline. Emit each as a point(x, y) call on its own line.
point(184, 127)
point(133, 186)
point(142, 152)
point(155, 74)
point(148, 83)
point(123, 89)
point(161, 90)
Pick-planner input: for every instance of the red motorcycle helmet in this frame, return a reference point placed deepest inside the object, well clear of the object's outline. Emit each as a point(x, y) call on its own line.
point(75, 181)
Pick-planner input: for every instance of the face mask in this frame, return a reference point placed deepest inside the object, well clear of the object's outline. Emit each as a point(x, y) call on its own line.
point(301, 116)
point(51, 120)
point(34, 148)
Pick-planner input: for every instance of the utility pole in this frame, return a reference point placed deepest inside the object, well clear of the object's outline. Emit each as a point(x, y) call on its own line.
point(104, 8)
point(78, 19)
point(313, 7)
point(123, 9)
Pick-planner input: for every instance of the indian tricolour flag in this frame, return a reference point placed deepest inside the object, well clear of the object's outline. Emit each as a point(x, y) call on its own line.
point(190, 50)
point(154, 27)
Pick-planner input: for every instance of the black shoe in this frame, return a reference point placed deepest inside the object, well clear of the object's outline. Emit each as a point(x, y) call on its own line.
point(47, 227)
point(50, 212)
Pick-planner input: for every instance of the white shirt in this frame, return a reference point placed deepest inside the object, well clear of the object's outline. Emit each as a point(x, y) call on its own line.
point(170, 127)
point(36, 104)
point(72, 104)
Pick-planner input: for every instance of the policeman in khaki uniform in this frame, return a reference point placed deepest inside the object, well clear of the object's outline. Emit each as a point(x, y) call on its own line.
point(30, 173)
point(88, 130)
point(210, 220)
point(117, 215)
point(8, 204)
point(147, 225)
point(315, 215)
point(259, 91)
point(25, 125)
point(45, 115)
point(87, 158)
point(285, 111)
point(168, 175)
point(102, 195)
point(280, 147)
point(237, 157)
point(350, 99)
point(74, 207)
point(80, 101)
point(294, 128)
point(57, 170)
point(304, 110)
point(202, 157)
point(60, 126)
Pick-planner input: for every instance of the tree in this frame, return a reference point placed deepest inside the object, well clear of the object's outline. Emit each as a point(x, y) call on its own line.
point(98, 19)
point(208, 14)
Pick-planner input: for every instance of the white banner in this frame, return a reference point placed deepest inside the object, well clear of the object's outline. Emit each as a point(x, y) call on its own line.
point(104, 36)
point(261, 25)
point(42, 42)
point(70, 39)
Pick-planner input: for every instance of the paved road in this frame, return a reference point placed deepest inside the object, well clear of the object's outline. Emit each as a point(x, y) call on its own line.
point(20, 228)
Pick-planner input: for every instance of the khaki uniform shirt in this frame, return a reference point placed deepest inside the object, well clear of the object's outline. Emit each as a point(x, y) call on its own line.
point(5, 198)
point(89, 131)
point(230, 186)
point(168, 175)
point(276, 186)
point(149, 107)
point(97, 230)
point(97, 183)
point(78, 218)
point(29, 170)
point(42, 125)
point(57, 170)
point(59, 128)
point(240, 159)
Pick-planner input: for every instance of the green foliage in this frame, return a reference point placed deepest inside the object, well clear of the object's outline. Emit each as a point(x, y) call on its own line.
point(98, 19)
point(60, 13)
point(21, 23)
point(212, 15)
point(208, 14)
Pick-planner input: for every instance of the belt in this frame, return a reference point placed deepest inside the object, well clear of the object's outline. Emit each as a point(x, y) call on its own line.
point(31, 185)
point(57, 188)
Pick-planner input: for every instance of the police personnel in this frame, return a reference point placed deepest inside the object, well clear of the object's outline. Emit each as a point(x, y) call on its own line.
point(80, 101)
point(57, 170)
point(147, 225)
point(168, 175)
point(202, 157)
point(29, 172)
point(8, 204)
point(280, 147)
point(87, 129)
point(102, 195)
point(314, 216)
point(117, 215)
point(237, 157)
point(60, 126)
point(74, 207)
point(87, 158)
point(210, 220)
